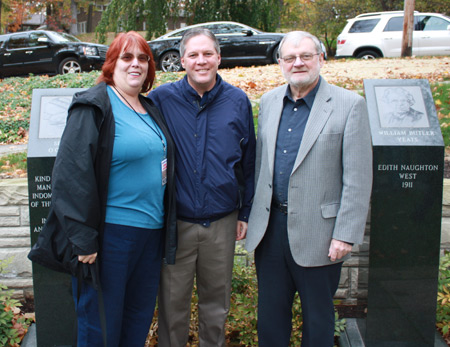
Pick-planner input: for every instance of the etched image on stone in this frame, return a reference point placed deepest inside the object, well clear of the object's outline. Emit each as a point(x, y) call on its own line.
point(53, 116)
point(401, 107)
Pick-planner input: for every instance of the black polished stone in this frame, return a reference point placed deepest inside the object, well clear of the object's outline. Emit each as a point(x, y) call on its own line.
point(404, 246)
point(54, 307)
point(406, 212)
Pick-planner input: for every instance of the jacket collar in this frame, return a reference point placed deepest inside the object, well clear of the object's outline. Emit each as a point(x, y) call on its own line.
point(191, 94)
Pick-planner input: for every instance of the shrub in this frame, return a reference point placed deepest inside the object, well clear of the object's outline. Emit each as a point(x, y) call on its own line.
point(13, 326)
point(443, 297)
point(242, 319)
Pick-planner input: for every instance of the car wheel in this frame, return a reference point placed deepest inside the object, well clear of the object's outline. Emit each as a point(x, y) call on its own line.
point(69, 65)
point(275, 55)
point(368, 55)
point(170, 62)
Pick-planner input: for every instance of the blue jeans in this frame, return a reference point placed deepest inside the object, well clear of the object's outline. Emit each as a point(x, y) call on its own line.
point(130, 264)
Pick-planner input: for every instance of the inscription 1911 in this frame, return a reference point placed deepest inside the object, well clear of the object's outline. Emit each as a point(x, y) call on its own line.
point(407, 173)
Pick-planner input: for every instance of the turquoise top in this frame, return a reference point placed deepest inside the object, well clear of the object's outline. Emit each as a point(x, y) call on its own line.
point(136, 191)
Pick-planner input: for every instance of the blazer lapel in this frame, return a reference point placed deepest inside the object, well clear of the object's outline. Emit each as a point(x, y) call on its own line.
point(274, 110)
point(318, 117)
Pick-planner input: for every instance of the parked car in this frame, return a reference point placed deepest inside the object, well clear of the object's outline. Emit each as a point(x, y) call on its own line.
point(239, 44)
point(44, 51)
point(375, 35)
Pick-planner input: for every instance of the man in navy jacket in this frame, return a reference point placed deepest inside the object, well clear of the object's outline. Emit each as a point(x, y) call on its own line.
point(211, 123)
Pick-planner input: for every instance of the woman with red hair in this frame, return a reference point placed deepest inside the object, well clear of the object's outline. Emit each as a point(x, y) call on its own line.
point(113, 194)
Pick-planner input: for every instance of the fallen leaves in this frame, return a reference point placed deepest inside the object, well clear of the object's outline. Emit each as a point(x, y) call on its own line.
point(15, 93)
point(349, 74)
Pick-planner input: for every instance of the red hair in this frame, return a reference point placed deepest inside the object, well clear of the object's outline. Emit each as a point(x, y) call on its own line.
point(121, 43)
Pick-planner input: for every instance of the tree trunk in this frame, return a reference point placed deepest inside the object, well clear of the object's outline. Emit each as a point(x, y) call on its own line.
point(89, 25)
point(74, 24)
point(1, 24)
point(408, 28)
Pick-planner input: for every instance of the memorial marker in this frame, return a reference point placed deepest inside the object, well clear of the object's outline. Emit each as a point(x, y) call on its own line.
point(406, 212)
point(54, 308)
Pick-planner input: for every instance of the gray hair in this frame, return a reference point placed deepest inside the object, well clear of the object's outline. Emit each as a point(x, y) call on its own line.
point(296, 37)
point(196, 32)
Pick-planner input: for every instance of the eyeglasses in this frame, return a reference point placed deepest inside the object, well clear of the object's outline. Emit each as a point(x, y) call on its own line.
point(128, 57)
point(303, 57)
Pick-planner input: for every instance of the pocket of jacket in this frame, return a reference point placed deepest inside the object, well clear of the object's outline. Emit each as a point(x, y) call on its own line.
point(333, 137)
point(330, 210)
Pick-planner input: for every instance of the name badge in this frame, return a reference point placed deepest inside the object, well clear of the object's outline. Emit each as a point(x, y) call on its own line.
point(164, 171)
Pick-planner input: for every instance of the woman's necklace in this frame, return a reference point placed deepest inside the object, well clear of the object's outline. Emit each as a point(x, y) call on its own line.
point(155, 130)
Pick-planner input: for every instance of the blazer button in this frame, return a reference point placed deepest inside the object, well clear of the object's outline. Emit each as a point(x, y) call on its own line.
point(267, 209)
point(270, 186)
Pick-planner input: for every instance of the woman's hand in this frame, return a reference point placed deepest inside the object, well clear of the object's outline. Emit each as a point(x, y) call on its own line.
point(87, 258)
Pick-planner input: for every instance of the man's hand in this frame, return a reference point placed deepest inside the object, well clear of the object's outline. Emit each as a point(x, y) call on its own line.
point(338, 249)
point(87, 258)
point(241, 230)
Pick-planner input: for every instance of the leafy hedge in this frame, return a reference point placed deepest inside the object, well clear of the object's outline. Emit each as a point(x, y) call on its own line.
point(241, 323)
point(13, 324)
point(16, 96)
point(242, 319)
point(15, 100)
point(16, 92)
point(443, 298)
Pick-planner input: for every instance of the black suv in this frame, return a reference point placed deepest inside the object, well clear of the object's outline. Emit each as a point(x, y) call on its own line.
point(44, 51)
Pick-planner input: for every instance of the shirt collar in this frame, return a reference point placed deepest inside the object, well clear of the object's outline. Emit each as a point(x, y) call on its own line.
point(308, 99)
point(207, 96)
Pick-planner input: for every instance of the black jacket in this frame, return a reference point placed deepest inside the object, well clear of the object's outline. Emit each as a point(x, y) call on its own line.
point(81, 173)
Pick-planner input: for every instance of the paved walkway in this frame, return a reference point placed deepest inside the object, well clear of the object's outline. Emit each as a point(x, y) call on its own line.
point(7, 149)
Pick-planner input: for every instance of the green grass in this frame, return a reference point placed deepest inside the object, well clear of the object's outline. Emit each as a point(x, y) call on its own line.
point(441, 96)
point(13, 162)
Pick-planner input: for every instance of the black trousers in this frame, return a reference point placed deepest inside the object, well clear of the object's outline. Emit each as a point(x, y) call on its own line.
point(279, 278)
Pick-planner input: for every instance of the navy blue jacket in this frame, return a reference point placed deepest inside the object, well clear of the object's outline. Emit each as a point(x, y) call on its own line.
point(215, 149)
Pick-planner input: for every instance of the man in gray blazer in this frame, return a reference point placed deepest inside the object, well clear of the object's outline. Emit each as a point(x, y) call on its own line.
point(314, 178)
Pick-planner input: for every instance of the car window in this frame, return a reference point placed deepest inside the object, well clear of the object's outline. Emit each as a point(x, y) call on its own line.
point(228, 28)
point(34, 39)
point(431, 23)
point(363, 26)
point(215, 28)
point(61, 37)
point(69, 37)
point(178, 33)
point(18, 41)
point(394, 24)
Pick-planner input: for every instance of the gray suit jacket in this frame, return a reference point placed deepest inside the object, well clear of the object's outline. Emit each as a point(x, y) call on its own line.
point(330, 184)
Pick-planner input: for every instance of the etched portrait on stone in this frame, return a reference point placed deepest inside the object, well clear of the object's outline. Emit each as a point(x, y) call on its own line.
point(53, 116)
point(401, 107)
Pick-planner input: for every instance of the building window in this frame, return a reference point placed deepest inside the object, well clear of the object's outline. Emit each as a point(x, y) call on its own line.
point(82, 27)
point(101, 8)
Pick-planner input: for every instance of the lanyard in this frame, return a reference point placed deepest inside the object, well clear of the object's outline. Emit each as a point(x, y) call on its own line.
point(155, 130)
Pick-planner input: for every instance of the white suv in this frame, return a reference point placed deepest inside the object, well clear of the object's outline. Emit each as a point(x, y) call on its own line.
point(374, 35)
